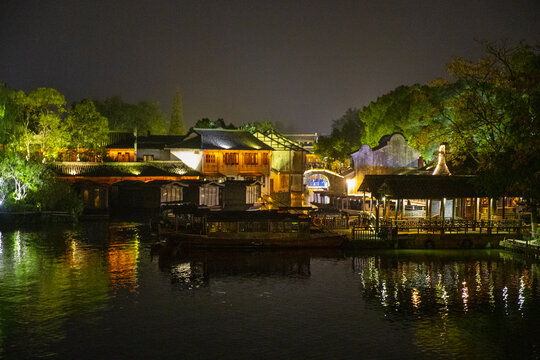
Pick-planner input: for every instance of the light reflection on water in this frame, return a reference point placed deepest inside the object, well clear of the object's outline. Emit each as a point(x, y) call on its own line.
point(470, 316)
point(62, 289)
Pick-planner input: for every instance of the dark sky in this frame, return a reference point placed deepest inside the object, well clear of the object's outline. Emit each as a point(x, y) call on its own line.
point(299, 62)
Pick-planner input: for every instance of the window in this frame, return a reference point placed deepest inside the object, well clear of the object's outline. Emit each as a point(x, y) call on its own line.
point(172, 193)
point(253, 193)
point(209, 195)
point(264, 158)
point(230, 158)
point(148, 157)
point(284, 180)
point(210, 158)
point(250, 158)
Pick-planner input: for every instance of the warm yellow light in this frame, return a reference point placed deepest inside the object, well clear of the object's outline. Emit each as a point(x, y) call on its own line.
point(351, 186)
point(323, 170)
point(415, 298)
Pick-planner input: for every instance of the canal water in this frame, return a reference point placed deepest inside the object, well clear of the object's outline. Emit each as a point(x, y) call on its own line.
point(99, 291)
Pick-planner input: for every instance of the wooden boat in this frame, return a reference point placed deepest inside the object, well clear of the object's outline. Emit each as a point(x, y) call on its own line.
point(241, 229)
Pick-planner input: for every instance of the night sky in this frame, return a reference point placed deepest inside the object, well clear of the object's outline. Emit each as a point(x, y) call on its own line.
point(302, 63)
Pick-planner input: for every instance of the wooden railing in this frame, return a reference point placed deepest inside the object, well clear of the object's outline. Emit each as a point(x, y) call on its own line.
point(369, 233)
point(456, 226)
point(330, 222)
point(389, 230)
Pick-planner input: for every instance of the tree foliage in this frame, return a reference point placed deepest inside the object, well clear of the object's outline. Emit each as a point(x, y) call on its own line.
point(18, 176)
point(347, 136)
point(257, 126)
point(142, 117)
point(494, 120)
point(206, 123)
point(38, 122)
point(412, 111)
point(494, 117)
point(88, 130)
point(176, 126)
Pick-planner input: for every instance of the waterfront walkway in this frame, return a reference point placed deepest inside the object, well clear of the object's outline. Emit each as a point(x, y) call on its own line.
point(436, 234)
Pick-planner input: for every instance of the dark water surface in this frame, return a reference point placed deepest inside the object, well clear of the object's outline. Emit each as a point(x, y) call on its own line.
point(96, 291)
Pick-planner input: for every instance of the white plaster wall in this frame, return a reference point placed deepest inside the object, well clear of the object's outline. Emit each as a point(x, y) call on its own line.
point(190, 157)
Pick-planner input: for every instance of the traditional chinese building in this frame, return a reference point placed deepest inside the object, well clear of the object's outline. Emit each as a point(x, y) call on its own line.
point(392, 155)
point(225, 156)
point(287, 169)
point(439, 195)
point(115, 187)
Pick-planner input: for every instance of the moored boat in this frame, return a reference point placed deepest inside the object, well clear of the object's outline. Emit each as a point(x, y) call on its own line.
point(241, 229)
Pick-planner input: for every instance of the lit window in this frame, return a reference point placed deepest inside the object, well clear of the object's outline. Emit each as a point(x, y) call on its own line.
point(148, 157)
point(250, 158)
point(209, 195)
point(210, 158)
point(253, 193)
point(172, 192)
point(230, 158)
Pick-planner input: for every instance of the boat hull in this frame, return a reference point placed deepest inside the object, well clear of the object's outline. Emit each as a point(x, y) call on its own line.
point(255, 240)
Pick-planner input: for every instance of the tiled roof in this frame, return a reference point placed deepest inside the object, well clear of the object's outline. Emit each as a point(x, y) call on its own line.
point(221, 139)
point(121, 140)
point(422, 186)
point(158, 141)
point(278, 141)
point(131, 169)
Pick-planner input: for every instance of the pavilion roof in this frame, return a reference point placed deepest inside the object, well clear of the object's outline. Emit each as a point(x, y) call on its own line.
point(422, 186)
point(278, 141)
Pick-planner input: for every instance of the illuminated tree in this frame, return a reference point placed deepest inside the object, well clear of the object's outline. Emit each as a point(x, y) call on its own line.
point(258, 126)
point(18, 177)
point(412, 111)
point(87, 128)
point(177, 116)
point(40, 122)
point(494, 120)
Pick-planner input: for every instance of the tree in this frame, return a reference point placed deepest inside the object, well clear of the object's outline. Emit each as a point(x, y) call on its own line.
point(87, 128)
point(40, 122)
point(149, 118)
point(18, 176)
point(346, 137)
point(412, 111)
point(177, 116)
point(206, 123)
point(262, 127)
point(143, 117)
point(494, 120)
point(8, 118)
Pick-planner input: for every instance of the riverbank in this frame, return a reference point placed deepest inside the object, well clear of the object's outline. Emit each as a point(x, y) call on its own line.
point(9, 220)
point(521, 246)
